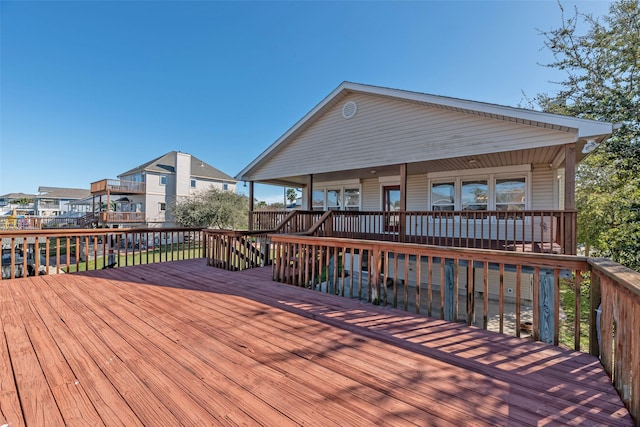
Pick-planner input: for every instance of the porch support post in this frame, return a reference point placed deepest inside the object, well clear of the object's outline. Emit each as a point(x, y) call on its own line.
point(402, 226)
point(309, 198)
point(570, 241)
point(251, 206)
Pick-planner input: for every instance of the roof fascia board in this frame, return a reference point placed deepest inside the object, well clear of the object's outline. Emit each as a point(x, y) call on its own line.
point(585, 127)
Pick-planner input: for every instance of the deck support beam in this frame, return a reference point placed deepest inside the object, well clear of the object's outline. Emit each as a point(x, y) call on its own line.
point(251, 206)
point(309, 195)
point(570, 243)
point(402, 226)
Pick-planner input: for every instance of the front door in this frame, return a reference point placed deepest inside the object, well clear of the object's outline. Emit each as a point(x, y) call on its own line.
point(391, 203)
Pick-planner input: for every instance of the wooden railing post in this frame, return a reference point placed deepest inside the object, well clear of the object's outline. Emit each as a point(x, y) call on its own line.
point(595, 297)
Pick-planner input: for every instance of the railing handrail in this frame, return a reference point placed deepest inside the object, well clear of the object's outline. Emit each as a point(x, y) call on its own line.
point(493, 256)
point(625, 277)
point(285, 221)
point(87, 231)
point(323, 219)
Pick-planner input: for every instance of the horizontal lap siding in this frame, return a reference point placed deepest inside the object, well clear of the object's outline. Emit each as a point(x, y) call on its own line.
point(542, 181)
point(370, 194)
point(386, 131)
point(417, 192)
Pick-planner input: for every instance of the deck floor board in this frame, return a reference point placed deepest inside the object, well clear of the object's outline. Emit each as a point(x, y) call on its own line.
point(181, 343)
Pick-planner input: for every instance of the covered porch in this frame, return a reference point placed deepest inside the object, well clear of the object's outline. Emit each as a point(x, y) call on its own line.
point(412, 167)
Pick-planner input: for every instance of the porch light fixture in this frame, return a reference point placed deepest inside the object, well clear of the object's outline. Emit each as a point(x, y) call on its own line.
point(373, 172)
point(589, 146)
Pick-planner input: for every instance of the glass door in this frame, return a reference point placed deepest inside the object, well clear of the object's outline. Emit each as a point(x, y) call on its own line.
point(391, 203)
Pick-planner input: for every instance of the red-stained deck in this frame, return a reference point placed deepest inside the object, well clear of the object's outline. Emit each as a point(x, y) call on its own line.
point(181, 343)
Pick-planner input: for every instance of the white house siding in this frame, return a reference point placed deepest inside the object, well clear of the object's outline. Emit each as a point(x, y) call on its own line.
point(417, 193)
point(542, 188)
point(386, 131)
point(183, 175)
point(370, 194)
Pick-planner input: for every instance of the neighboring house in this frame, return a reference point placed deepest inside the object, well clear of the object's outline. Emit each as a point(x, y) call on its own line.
point(18, 204)
point(56, 201)
point(412, 167)
point(144, 195)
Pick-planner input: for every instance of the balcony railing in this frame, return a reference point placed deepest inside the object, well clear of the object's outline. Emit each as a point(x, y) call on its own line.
point(545, 231)
point(117, 186)
point(122, 217)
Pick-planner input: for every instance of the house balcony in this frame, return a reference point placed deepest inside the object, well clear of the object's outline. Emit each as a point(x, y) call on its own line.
point(117, 186)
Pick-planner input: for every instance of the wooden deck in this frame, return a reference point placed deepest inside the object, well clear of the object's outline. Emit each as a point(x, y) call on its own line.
point(181, 343)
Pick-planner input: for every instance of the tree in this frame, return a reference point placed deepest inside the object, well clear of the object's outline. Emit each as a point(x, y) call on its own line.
point(602, 82)
point(23, 201)
point(292, 195)
point(213, 208)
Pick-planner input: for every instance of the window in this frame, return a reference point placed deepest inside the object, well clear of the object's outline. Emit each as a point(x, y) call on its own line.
point(475, 195)
point(317, 200)
point(499, 192)
point(225, 186)
point(163, 206)
point(334, 200)
point(352, 199)
point(163, 179)
point(193, 183)
point(510, 194)
point(342, 198)
point(443, 196)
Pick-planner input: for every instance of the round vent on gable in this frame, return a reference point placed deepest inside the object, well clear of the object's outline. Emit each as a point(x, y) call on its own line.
point(349, 109)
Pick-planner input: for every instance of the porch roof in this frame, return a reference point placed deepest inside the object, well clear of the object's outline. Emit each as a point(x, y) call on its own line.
point(570, 129)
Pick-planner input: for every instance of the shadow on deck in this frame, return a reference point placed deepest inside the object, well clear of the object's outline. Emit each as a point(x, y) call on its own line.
point(181, 343)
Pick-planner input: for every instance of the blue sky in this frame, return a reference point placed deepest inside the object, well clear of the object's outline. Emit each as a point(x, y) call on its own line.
point(91, 89)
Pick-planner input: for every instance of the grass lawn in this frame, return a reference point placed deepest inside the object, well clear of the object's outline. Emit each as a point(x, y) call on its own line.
point(567, 301)
point(160, 254)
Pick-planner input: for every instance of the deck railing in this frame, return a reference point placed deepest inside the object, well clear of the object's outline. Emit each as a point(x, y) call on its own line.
point(545, 231)
point(122, 217)
point(237, 250)
point(118, 186)
point(549, 297)
point(267, 220)
point(30, 252)
point(615, 290)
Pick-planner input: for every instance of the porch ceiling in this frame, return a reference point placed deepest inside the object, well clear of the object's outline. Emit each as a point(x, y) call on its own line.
point(552, 156)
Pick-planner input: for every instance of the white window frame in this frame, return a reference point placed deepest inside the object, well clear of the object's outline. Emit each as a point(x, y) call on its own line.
point(488, 174)
point(341, 186)
point(163, 178)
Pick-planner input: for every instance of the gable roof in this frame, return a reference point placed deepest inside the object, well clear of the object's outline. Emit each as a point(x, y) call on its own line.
point(167, 164)
point(15, 196)
point(62, 193)
point(582, 128)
